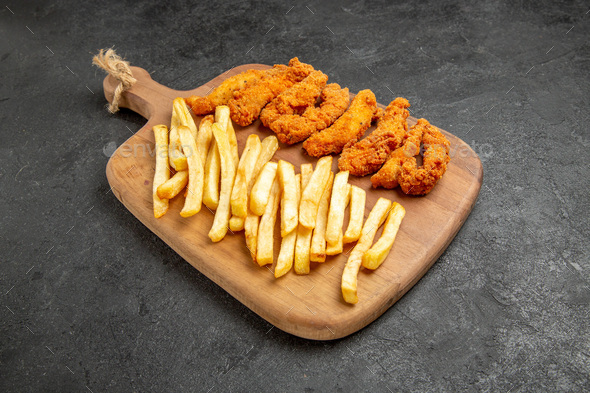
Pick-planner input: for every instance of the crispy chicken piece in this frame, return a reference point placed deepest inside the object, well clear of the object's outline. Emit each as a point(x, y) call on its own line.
point(224, 92)
point(416, 180)
point(296, 99)
point(292, 129)
point(247, 103)
point(349, 127)
point(387, 177)
point(368, 155)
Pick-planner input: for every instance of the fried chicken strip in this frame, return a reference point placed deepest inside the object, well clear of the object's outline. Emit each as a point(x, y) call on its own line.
point(387, 177)
point(416, 180)
point(368, 155)
point(224, 92)
point(292, 129)
point(247, 103)
point(295, 99)
point(347, 129)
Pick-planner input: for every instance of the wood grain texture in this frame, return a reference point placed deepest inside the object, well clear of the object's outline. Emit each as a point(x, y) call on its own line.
point(307, 306)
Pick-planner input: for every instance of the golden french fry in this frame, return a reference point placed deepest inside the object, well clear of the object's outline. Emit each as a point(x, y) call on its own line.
point(317, 251)
point(306, 171)
point(204, 138)
point(228, 173)
point(251, 233)
point(375, 256)
point(287, 252)
point(184, 116)
point(194, 197)
point(289, 206)
point(233, 142)
point(358, 197)
point(173, 186)
point(311, 195)
point(212, 172)
point(303, 241)
point(239, 194)
point(337, 207)
point(174, 120)
point(180, 117)
point(270, 145)
point(260, 194)
point(162, 172)
point(334, 248)
point(175, 156)
point(222, 117)
point(236, 223)
point(302, 250)
point(349, 276)
point(266, 228)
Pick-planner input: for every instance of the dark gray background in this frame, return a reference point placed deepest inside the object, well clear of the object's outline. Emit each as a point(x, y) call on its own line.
point(92, 301)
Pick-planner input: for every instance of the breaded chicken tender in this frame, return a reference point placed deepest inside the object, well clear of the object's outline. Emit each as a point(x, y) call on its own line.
point(292, 129)
point(368, 155)
point(387, 176)
point(347, 129)
point(296, 99)
point(416, 180)
point(224, 92)
point(248, 102)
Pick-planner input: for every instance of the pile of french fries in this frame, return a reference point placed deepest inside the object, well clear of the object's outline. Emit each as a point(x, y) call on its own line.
point(247, 191)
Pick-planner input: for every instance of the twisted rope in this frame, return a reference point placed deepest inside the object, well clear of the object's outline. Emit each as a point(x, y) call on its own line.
point(114, 65)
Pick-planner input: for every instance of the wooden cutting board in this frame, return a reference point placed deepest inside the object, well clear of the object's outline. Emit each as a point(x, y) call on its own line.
point(307, 306)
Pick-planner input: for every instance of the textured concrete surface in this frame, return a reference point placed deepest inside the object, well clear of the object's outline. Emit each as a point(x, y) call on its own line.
point(90, 300)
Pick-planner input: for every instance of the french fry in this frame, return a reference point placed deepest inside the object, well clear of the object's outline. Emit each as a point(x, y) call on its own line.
point(228, 173)
point(302, 244)
point(204, 138)
point(270, 145)
point(358, 197)
point(306, 171)
point(173, 186)
point(302, 261)
point(194, 197)
point(337, 207)
point(212, 172)
point(233, 142)
point(239, 194)
point(289, 205)
point(317, 251)
point(266, 228)
point(334, 248)
point(306, 174)
point(175, 156)
point(260, 194)
point(236, 224)
point(375, 256)
point(311, 195)
point(349, 276)
point(287, 252)
point(222, 117)
point(251, 233)
point(183, 115)
point(303, 241)
point(162, 172)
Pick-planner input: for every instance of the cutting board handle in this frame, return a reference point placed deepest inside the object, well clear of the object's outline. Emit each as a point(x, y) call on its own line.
point(145, 97)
